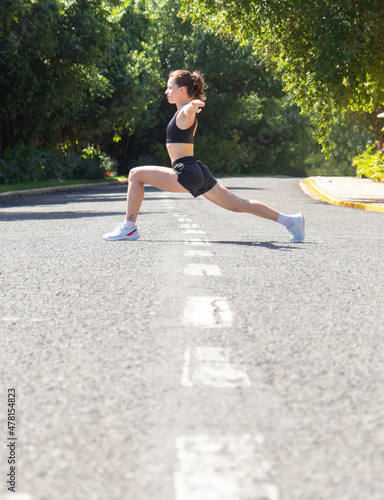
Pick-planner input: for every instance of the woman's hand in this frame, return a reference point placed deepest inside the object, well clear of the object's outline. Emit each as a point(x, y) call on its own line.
point(197, 105)
point(187, 115)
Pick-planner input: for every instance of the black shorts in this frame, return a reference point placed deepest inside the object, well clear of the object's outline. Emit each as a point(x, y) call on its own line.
point(193, 175)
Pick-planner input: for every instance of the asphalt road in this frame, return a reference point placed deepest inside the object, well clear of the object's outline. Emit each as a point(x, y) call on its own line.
point(211, 359)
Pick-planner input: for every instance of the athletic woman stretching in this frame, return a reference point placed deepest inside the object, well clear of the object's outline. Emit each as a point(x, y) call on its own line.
point(186, 90)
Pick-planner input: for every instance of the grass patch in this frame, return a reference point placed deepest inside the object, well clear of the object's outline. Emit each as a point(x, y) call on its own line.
point(4, 188)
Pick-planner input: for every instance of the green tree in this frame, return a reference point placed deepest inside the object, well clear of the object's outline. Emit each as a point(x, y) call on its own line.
point(249, 123)
point(70, 71)
point(48, 67)
point(94, 71)
point(328, 51)
point(134, 72)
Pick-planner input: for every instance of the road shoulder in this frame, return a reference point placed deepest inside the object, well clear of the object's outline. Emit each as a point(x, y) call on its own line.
point(353, 192)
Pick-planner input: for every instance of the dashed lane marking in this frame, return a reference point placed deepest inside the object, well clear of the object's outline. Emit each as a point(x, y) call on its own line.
point(222, 468)
point(207, 312)
point(199, 253)
point(194, 231)
point(211, 366)
point(167, 203)
point(211, 467)
point(183, 219)
point(197, 269)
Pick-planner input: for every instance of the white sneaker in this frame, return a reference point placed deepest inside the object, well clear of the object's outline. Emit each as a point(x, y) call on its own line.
point(121, 233)
point(297, 229)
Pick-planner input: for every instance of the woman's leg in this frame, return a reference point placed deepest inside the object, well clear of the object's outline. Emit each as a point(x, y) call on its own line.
point(224, 198)
point(160, 177)
point(221, 196)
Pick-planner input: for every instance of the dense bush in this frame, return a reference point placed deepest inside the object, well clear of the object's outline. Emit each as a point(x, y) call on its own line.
point(370, 164)
point(29, 163)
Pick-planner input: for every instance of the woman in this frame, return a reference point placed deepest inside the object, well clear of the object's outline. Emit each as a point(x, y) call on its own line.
point(186, 90)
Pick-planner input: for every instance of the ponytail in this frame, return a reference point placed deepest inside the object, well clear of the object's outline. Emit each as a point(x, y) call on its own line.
point(194, 83)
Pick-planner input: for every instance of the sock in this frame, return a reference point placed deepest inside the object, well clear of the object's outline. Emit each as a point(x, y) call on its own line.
point(285, 220)
point(129, 224)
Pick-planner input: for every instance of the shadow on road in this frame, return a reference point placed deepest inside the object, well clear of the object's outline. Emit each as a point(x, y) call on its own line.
point(242, 188)
point(102, 194)
point(270, 245)
point(19, 216)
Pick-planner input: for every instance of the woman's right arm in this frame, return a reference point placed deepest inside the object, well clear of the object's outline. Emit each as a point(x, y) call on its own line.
point(187, 115)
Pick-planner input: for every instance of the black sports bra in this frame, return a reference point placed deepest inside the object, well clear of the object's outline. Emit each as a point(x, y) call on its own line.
point(176, 134)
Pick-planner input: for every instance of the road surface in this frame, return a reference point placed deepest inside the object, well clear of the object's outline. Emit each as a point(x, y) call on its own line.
point(211, 359)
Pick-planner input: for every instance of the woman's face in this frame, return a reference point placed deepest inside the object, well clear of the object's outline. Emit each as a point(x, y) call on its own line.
point(173, 91)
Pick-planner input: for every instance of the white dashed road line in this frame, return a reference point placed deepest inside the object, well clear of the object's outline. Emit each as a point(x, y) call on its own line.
point(199, 253)
point(185, 225)
point(207, 312)
point(211, 366)
point(215, 467)
point(193, 231)
point(202, 270)
point(222, 468)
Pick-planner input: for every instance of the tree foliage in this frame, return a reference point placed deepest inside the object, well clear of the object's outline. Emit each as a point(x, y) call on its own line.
point(328, 51)
point(79, 72)
point(248, 124)
point(68, 68)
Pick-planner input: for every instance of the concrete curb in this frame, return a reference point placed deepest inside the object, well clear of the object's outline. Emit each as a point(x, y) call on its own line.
point(59, 188)
point(310, 187)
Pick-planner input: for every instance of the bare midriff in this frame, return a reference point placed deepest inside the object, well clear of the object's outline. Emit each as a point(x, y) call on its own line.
point(178, 150)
